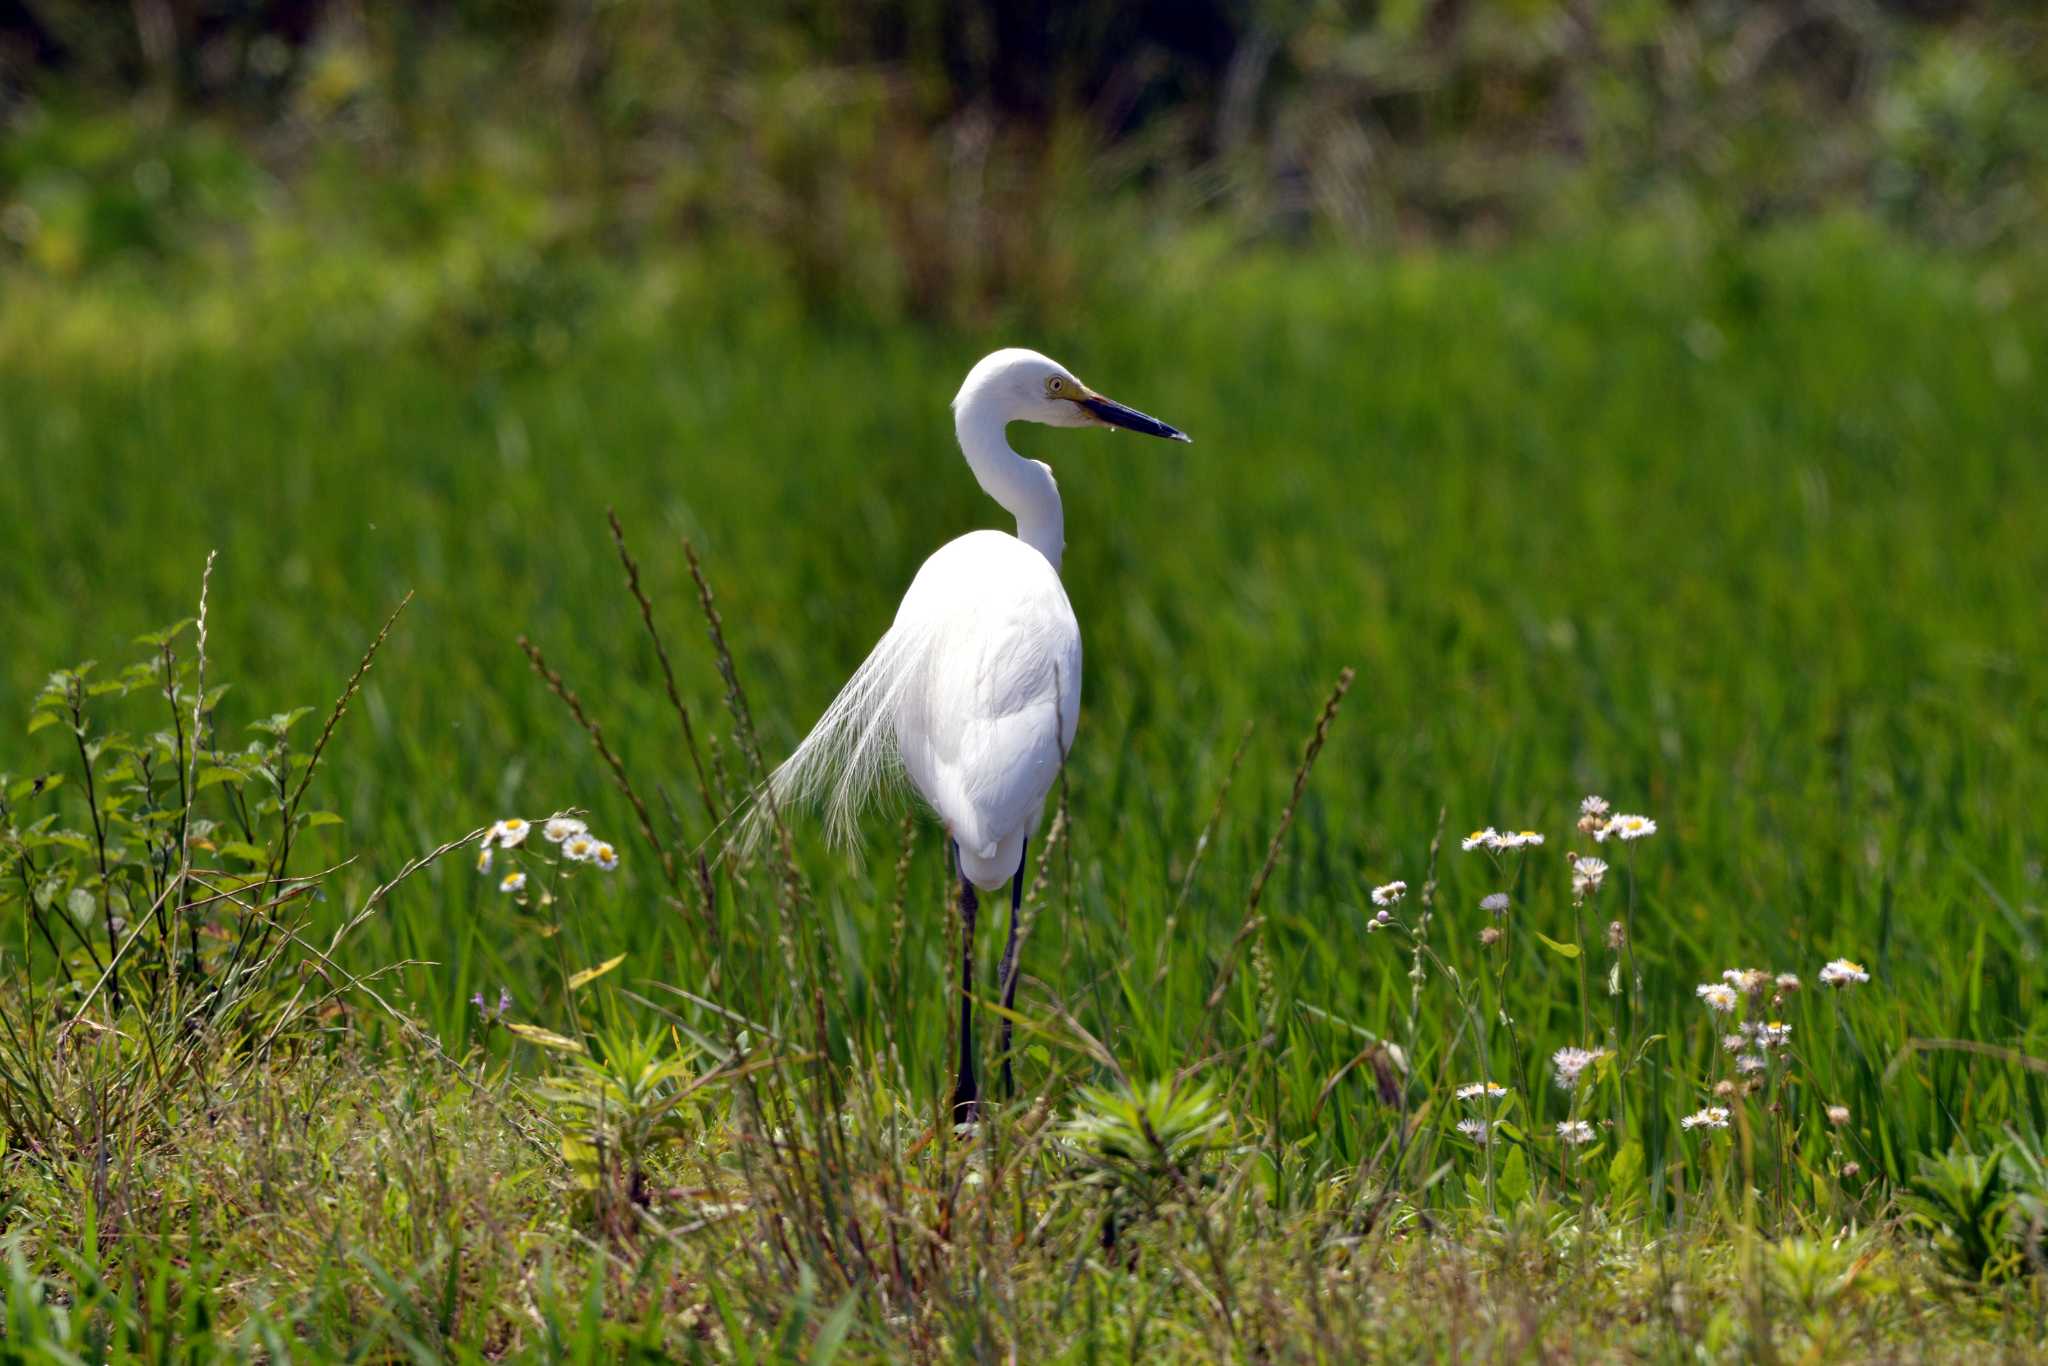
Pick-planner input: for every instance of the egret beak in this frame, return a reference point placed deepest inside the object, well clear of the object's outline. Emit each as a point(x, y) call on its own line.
point(1110, 413)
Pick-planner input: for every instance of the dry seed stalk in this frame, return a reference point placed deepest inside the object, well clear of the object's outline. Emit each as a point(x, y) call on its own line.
point(604, 751)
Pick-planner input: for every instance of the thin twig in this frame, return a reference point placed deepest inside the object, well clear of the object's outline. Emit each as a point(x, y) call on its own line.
point(1252, 919)
point(668, 673)
point(604, 752)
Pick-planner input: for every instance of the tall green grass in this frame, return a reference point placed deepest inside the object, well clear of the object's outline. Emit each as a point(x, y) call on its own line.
point(1743, 536)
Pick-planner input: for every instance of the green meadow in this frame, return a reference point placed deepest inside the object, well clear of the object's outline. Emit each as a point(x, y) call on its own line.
point(1741, 535)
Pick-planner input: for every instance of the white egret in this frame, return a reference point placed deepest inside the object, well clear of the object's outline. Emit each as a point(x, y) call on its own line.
point(974, 691)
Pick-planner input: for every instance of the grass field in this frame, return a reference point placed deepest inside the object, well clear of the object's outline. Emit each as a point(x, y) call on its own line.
point(1743, 537)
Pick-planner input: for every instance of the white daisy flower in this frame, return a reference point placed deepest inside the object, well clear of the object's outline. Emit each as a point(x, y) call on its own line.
point(1478, 1130)
point(1571, 1062)
point(1632, 827)
point(604, 856)
point(483, 856)
point(1746, 979)
point(512, 882)
point(1734, 1043)
point(1389, 893)
point(511, 832)
point(1600, 830)
point(1787, 981)
point(1719, 995)
point(1488, 838)
point(1490, 1090)
point(560, 828)
point(1587, 875)
point(1528, 839)
point(1838, 1115)
point(1594, 806)
point(579, 847)
point(1776, 1034)
point(1751, 1062)
point(1841, 973)
point(1575, 1131)
point(1712, 1117)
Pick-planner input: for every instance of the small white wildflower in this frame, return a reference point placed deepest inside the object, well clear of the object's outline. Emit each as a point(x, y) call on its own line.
point(1490, 1090)
point(1487, 838)
point(1841, 973)
point(1838, 1115)
point(1599, 830)
point(604, 856)
point(1587, 875)
point(1575, 1131)
point(1594, 806)
point(1389, 893)
point(1570, 1062)
point(1495, 903)
point(512, 882)
point(1787, 981)
point(1734, 1043)
point(1712, 1117)
point(1719, 995)
point(483, 856)
point(560, 828)
point(581, 848)
point(1478, 1130)
point(1632, 827)
point(1776, 1034)
point(1528, 839)
point(1751, 1062)
point(511, 832)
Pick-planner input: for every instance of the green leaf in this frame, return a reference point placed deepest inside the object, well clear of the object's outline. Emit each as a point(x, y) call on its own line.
point(1511, 1182)
point(156, 640)
point(281, 722)
point(209, 777)
point(41, 719)
point(243, 850)
point(589, 975)
point(1564, 950)
point(1627, 1167)
point(313, 820)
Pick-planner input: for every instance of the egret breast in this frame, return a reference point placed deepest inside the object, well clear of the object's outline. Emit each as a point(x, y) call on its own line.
point(997, 694)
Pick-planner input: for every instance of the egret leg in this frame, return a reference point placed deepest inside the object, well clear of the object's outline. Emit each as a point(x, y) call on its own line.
point(966, 1096)
point(1009, 967)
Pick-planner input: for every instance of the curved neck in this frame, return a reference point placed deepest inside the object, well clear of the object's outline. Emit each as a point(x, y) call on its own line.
point(1024, 487)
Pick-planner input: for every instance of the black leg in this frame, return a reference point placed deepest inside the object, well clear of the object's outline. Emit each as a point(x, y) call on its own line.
point(966, 1096)
point(1008, 972)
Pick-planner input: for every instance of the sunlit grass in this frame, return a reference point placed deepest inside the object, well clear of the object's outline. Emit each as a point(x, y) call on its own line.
point(1743, 539)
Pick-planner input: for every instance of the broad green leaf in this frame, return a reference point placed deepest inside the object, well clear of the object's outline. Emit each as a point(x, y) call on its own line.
point(584, 978)
point(1627, 1168)
point(1511, 1182)
point(1567, 950)
point(41, 719)
point(313, 820)
point(243, 850)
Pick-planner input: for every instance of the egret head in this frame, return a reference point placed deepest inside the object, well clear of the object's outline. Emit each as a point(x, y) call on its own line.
point(1022, 386)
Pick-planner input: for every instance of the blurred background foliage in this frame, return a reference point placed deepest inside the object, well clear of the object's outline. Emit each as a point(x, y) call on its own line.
point(955, 161)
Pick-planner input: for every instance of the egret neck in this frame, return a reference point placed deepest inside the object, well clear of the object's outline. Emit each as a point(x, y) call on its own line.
point(1025, 488)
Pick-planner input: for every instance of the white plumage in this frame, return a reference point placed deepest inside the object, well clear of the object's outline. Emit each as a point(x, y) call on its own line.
point(982, 735)
point(975, 690)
